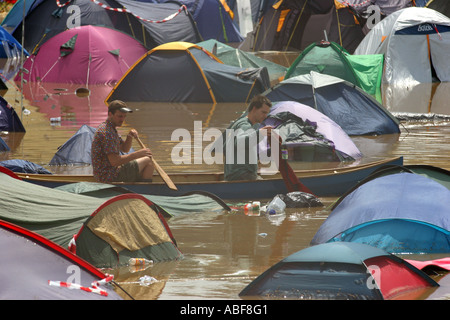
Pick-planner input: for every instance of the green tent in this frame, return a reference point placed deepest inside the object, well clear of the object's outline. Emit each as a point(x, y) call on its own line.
point(170, 206)
point(364, 71)
point(238, 58)
point(107, 231)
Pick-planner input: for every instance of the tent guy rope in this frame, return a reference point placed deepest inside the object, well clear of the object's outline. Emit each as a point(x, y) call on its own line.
point(168, 18)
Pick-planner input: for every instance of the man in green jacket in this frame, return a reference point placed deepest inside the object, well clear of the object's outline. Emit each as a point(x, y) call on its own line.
point(241, 160)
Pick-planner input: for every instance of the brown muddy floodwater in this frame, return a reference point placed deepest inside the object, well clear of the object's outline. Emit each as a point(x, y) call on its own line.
point(223, 251)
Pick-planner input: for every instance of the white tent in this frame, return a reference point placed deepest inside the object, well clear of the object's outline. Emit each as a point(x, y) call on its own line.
point(414, 41)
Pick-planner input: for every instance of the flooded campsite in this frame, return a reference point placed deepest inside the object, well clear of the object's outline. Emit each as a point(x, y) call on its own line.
point(365, 159)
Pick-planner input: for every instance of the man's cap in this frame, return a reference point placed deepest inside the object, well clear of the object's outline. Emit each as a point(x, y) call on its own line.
point(118, 105)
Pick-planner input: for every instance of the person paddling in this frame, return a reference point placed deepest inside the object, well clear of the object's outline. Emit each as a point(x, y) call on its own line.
point(243, 131)
point(110, 158)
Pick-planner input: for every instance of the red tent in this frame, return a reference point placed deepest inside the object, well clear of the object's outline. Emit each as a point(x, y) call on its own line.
point(34, 267)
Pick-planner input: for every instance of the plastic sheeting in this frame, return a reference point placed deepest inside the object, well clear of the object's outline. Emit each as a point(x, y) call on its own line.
point(301, 125)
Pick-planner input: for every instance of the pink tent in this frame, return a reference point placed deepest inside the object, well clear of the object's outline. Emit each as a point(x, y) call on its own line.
point(87, 55)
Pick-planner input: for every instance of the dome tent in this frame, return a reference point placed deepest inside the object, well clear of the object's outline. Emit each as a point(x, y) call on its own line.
point(340, 271)
point(415, 43)
point(160, 75)
point(85, 55)
point(355, 111)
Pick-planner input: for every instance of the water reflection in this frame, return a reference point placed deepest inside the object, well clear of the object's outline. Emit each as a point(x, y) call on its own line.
point(64, 107)
point(223, 251)
point(421, 98)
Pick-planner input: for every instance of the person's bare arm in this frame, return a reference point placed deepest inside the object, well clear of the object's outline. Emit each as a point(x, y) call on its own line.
point(126, 145)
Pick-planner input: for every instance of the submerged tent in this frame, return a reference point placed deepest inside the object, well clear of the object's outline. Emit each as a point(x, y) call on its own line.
point(185, 72)
point(3, 146)
point(30, 261)
point(364, 71)
point(172, 206)
point(340, 271)
point(415, 43)
point(85, 55)
point(310, 135)
point(295, 24)
point(151, 24)
point(356, 112)
point(108, 232)
point(9, 119)
point(76, 150)
point(236, 57)
point(399, 213)
point(25, 166)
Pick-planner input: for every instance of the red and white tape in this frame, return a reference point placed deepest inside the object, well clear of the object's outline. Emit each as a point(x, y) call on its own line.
point(355, 4)
point(103, 281)
point(78, 287)
point(170, 17)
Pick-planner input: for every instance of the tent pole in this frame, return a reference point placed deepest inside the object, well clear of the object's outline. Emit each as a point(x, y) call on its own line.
point(295, 27)
point(22, 60)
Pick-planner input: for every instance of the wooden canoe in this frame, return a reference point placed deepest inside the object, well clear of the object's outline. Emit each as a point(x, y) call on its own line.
point(322, 182)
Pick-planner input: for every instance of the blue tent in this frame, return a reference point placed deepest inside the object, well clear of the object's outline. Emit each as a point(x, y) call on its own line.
point(9, 120)
point(399, 213)
point(76, 150)
point(212, 19)
point(339, 271)
point(349, 106)
point(3, 146)
point(10, 48)
point(24, 166)
point(15, 15)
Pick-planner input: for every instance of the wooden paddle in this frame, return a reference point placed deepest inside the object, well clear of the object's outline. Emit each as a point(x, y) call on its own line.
point(161, 172)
